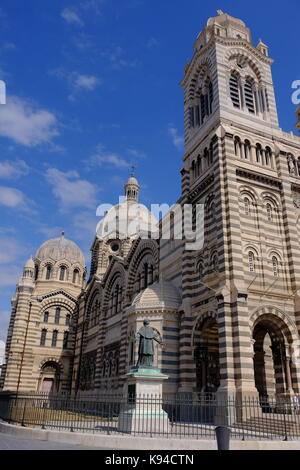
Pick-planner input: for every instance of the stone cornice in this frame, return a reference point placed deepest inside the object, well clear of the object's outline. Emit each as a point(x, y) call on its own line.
point(53, 294)
point(208, 181)
point(266, 180)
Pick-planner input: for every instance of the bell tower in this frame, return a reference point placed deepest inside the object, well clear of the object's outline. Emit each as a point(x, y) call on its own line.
point(245, 171)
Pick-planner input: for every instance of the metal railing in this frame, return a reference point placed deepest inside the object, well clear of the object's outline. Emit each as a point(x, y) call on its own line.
point(180, 416)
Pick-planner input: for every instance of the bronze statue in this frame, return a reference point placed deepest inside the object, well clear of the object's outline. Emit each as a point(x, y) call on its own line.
point(146, 335)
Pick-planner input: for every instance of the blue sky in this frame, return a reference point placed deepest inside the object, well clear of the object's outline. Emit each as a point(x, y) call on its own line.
point(93, 88)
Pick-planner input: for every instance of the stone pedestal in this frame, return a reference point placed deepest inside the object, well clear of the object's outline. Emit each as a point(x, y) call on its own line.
point(143, 411)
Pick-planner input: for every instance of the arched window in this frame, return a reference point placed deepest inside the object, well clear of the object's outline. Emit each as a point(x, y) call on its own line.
point(48, 272)
point(269, 212)
point(275, 266)
point(43, 337)
point(251, 260)
point(62, 273)
point(75, 276)
point(234, 88)
point(247, 147)
point(237, 147)
point(268, 156)
point(36, 272)
point(247, 206)
point(68, 320)
point(54, 339)
point(66, 340)
point(57, 315)
point(193, 170)
point(215, 263)
point(211, 96)
point(249, 96)
point(201, 269)
point(259, 154)
point(46, 317)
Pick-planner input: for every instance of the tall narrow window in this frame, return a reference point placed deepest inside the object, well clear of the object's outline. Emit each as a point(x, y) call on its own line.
point(201, 269)
point(237, 147)
point(268, 156)
point(251, 262)
point(75, 276)
point(54, 339)
point(68, 320)
point(197, 115)
point(275, 266)
point(246, 206)
point(215, 263)
point(48, 272)
point(259, 154)
point(211, 96)
point(234, 91)
point(43, 337)
point(66, 340)
point(62, 273)
point(269, 212)
point(46, 317)
point(202, 104)
point(192, 121)
point(249, 96)
point(247, 147)
point(57, 315)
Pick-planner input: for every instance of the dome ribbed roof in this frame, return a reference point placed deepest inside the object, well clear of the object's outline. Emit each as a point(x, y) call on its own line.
point(60, 248)
point(159, 295)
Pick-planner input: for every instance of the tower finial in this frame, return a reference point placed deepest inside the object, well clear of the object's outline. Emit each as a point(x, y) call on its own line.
point(220, 12)
point(63, 233)
point(133, 168)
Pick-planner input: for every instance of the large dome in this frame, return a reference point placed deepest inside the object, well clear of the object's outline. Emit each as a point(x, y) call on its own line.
point(127, 220)
point(60, 248)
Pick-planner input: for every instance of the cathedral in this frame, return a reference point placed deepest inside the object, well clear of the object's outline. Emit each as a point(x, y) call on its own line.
point(228, 312)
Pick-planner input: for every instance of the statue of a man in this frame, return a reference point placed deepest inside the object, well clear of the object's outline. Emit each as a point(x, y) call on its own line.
point(146, 335)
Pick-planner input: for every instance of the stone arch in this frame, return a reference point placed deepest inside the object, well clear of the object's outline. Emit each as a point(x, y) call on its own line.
point(205, 345)
point(274, 335)
point(147, 250)
point(201, 69)
point(246, 58)
point(279, 318)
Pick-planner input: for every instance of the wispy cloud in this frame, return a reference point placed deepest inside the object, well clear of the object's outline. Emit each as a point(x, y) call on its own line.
point(77, 81)
point(70, 190)
point(14, 199)
point(85, 224)
point(176, 138)
point(26, 124)
point(102, 157)
point(13, 169)
point(71, 16)
point(152, 43)
point(136, 153)
point(117, 59)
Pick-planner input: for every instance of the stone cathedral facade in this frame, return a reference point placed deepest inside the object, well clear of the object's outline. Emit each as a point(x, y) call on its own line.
point(228, 313)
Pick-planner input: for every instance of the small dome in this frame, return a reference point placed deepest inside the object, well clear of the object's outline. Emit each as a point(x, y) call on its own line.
point(60, 248)
point(160, 295)
point(29, 264)
point(132, 181)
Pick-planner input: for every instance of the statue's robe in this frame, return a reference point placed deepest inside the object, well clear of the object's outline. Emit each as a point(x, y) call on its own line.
point(146, 336)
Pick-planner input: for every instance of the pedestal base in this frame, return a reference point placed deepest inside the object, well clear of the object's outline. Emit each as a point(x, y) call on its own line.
point(144, 414)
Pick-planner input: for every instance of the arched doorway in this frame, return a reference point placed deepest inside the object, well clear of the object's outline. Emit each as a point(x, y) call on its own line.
point(272, 362)
point(206, 354)
point(50, 378)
